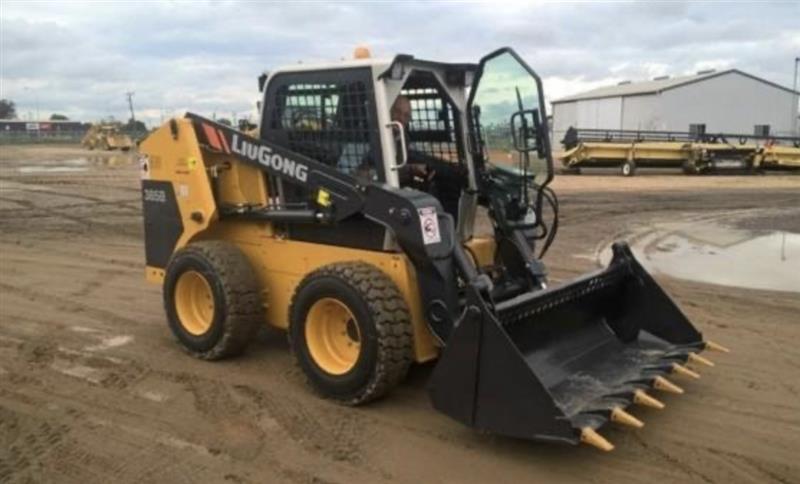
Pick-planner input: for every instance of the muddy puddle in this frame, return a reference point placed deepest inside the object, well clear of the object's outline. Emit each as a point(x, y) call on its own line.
point(718, 254)
point(76, 165)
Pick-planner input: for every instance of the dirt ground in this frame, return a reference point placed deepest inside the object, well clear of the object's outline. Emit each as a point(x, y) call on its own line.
point(94, 389)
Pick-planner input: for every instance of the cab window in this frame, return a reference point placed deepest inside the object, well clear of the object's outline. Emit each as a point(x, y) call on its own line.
point(327, 116)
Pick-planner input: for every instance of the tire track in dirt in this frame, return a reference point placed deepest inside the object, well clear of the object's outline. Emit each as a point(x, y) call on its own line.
point(98, 280)
point(27, 444)
point(49, 212)
point(150, 454)
point(738, 460)
point(673, 460)
point(339, 436)
point(39, 193)
point(213, 399)
point(69, 305)
point(95, 222)
point(85, 365)
point(77, 256)
point(145, 455)
point(26, 210)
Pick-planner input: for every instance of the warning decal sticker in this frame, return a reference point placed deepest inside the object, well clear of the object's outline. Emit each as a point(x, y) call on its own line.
point(430, 225)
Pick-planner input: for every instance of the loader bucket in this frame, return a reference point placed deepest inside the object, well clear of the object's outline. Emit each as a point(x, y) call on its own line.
point(558, 364)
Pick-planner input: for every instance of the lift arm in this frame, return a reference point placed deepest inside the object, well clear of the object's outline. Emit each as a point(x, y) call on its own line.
point(424, 231)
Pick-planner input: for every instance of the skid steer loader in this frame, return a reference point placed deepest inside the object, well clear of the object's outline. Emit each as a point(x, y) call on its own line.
point(349, 221)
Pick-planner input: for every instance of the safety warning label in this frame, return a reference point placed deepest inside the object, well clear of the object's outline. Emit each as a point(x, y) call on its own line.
point(430, 225)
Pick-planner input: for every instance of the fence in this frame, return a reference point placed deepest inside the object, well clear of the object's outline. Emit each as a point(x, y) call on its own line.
point(30, 138)
point(15, 131)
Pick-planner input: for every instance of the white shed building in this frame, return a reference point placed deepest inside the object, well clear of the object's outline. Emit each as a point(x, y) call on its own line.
point(729, 101)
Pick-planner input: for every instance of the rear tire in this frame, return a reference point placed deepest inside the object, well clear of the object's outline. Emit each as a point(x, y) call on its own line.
point(212, 299)
point(350, 331)
point(628, 168)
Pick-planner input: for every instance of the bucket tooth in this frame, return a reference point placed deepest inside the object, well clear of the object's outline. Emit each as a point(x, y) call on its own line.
point(622, 417)
point(661, 383)
point(642, 398)
point(679, 369)
point(695, 358)
point(589, 436)
point(710, 345)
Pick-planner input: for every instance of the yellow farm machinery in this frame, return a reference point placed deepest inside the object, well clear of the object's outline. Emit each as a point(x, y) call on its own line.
point(692, 152)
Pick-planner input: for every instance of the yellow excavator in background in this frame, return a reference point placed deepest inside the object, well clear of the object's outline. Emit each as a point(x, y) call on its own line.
point(348, 220)
point(106, 136)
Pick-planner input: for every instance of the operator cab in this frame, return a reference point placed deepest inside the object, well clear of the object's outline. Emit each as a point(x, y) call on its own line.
point(458, 120)
point(429, 127)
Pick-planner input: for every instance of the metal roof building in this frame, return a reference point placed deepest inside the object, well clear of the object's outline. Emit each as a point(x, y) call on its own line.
point(729, 101)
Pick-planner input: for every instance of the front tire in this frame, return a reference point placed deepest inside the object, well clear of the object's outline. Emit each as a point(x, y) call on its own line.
point(350, 331)
point(212, 299)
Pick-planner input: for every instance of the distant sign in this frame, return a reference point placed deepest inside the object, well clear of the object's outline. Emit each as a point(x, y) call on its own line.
point(32, 126)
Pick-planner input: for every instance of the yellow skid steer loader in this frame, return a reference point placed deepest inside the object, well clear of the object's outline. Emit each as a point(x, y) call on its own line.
point(349, 221)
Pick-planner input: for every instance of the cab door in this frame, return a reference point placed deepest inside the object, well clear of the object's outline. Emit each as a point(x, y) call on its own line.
point(508, 119)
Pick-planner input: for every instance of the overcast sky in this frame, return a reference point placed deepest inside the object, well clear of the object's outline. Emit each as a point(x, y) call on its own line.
point(80, 58)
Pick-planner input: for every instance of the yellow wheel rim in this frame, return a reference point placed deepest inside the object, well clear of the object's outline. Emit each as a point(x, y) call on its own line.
point(332, 336)
point(194, 302)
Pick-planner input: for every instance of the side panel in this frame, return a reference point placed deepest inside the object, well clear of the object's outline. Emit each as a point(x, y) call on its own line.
point(729, 103)
point(642, 113)
point(600, 113)
point(173, 159)
point(240, 184)
point(162, 222)
point(281, 264)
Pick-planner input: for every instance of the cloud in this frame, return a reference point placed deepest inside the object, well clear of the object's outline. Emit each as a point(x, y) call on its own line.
point(81, 58)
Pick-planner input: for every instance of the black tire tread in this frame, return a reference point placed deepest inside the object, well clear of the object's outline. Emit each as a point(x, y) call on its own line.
point(244, 310)
point(392, 323)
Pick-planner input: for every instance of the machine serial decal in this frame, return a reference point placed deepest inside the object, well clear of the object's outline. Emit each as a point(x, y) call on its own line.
point(155, 195)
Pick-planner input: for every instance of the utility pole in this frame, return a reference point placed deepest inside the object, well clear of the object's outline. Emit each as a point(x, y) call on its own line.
point(130, 94)
point(795, 103)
